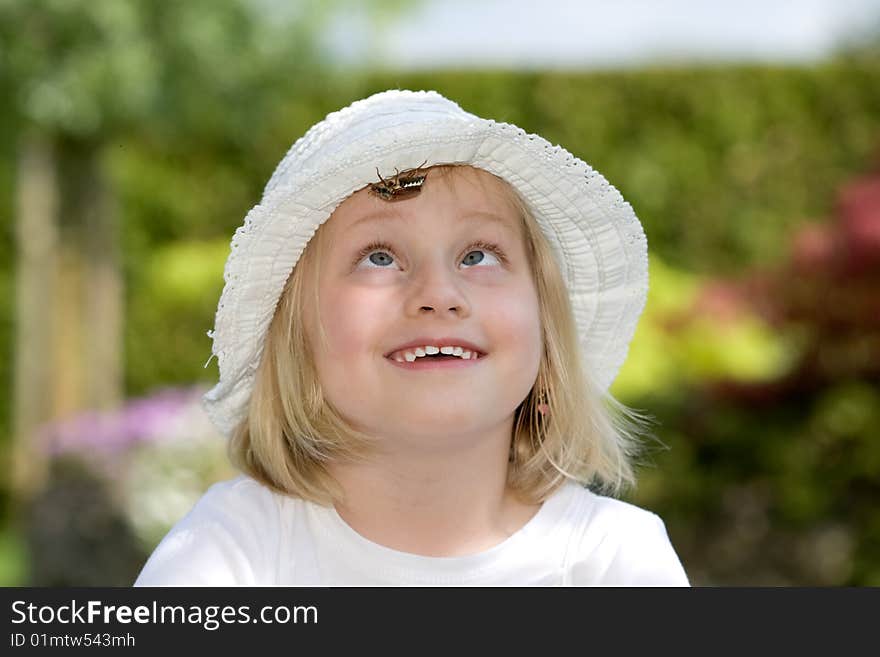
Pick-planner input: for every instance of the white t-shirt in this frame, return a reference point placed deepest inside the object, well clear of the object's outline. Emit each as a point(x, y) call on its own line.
point(241, 533)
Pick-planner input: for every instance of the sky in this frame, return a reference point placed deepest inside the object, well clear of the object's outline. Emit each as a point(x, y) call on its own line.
point(601, 34)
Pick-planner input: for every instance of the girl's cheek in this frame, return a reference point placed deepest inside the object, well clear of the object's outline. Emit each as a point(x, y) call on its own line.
point(354, 317)
point(518, 315)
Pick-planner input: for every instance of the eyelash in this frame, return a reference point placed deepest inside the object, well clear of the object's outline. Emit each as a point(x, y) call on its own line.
point(491, 247)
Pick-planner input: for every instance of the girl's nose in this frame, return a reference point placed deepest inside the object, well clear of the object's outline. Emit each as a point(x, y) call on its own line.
point(436, 290)
point(431, 309)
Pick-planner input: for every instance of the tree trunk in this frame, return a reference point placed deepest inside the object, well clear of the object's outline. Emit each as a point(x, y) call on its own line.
point(69, 297)
point(37, 240)
point(91, 307)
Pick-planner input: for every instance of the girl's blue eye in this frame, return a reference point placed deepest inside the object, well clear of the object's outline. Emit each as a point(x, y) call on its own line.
point(384, 257)
point(472, 253)
point(381, 254)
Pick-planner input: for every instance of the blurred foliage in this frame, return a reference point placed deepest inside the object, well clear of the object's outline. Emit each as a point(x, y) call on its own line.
point(14, 559)
point(160, 474)
point(76, 533)
point(164, 480)
point(91, 69)
point(784, 494)
point(119, 480)
point(775, 480)
point(679, 347)
point(192, 104)
point(182, 283)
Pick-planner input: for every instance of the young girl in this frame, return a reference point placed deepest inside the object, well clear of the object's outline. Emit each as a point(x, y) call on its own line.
point(419, 326)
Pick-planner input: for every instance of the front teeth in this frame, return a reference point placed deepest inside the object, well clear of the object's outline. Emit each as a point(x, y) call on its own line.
point(419, 352)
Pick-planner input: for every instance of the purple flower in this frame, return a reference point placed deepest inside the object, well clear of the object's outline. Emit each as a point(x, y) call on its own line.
point(159, 417)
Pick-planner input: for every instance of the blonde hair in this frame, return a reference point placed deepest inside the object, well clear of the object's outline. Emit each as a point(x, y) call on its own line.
point(290, 432)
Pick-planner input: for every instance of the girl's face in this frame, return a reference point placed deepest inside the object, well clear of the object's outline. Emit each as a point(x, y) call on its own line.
point(431, 273)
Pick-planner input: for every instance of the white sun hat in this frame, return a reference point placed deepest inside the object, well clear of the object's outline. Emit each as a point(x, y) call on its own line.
point(597, 240)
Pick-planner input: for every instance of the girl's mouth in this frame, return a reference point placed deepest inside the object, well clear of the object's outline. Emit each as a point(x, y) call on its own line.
point(438, 362)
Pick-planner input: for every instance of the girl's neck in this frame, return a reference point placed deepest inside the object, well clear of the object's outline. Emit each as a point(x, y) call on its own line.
point(433, 505)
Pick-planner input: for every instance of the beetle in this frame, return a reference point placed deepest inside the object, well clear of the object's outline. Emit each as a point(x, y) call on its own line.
point(402, 185)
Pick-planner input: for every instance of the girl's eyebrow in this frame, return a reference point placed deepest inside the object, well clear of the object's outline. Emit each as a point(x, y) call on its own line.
point(479, 215)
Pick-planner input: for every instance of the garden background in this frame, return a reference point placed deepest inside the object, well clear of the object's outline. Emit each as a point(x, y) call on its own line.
point(135, 137)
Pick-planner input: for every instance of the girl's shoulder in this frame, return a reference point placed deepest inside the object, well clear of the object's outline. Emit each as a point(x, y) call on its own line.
point(232, 536)
point(597, 510)
point(248, 507)
point(619, 543)
point(239, 494)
